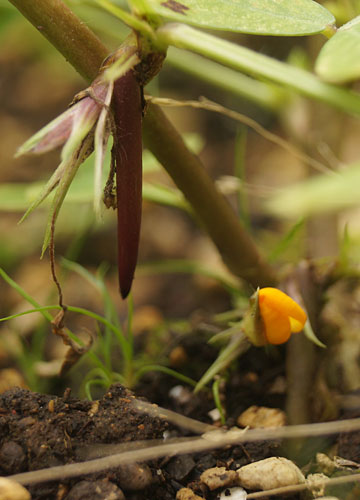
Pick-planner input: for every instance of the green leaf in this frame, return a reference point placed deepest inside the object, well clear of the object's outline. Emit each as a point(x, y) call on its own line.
point(262, 93)
point(262, 17)
point(320, 194)
point(234, 349)
point(165, 195)
point(258, 65)
point(339, 59)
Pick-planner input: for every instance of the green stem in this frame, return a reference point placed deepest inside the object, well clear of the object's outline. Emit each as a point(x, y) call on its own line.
point(212, 210)
point(129, 19)
point(248, 61)
point(86, 53)
point(72, 38)
point(217, 399)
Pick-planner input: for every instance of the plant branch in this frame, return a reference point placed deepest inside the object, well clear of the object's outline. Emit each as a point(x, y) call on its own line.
point(72, 38)
point(86, 53)
point(215, 214)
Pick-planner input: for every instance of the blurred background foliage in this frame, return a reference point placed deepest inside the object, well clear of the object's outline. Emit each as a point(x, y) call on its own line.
point(181, 281)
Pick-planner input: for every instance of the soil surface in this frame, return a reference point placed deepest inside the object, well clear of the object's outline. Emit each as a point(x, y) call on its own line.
point(38, 431)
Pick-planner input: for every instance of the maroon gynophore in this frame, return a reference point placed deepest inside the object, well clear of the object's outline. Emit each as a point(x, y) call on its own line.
point(127, 156)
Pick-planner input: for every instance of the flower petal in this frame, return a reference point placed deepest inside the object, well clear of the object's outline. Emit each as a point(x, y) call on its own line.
point(296, 326)
point(276, 323)
point(282, 302)
point(53, 135)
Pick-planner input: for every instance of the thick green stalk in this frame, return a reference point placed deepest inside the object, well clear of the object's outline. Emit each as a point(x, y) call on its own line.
point(248, 61)
point(86, 53)
point(72, 38)
point(233, 242)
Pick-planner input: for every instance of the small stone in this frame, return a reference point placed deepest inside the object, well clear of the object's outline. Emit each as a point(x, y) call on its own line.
point(273, 472)
point(236, 493)
point(316, 483)
point(180, 394)
point(187, 494)
point(11, 490)
point(218, 477)
point(179, 467)
point(214, 414)
point(12, 457)
point(95, 490)
point(260, 416)
point(134, 477)
point(326, 498)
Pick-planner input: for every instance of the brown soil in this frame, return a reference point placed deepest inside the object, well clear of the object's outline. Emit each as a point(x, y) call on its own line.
point(38, 431)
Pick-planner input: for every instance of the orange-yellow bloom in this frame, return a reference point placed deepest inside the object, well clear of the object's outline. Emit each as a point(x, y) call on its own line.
point(280, 315)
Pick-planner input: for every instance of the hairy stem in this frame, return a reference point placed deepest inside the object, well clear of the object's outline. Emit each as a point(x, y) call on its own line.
point(86, 53)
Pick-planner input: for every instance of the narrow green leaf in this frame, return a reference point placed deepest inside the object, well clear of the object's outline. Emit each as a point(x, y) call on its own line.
point(165, 195)
point(72, 165)
point(168, 371)
point(339, 59)
point(262, 17)
point(260, 65)
point(235, 348)
point(286, 241)
point(320, 194)
point(24, 295)
point(264, 94)
point(47, 189)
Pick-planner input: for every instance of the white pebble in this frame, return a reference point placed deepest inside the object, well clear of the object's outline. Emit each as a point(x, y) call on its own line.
point(273, 472)
point(214, 414)
point(11, 490)
point(236, 493)
point(261, 417)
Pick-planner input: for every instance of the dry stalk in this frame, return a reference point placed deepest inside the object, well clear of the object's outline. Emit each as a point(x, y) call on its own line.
point(208, 105)
point(208, 441)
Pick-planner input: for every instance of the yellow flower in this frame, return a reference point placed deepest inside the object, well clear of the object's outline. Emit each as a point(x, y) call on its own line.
point(280, 314)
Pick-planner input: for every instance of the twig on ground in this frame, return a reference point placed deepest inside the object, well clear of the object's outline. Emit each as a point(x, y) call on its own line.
point(208, 441)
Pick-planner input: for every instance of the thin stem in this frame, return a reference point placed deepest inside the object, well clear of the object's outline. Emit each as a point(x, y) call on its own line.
point(217, 399)
point(240, 173)
point(52, 263)
point(129, 19)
